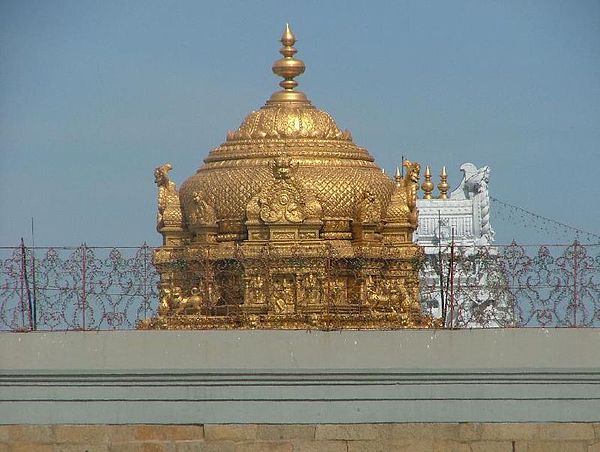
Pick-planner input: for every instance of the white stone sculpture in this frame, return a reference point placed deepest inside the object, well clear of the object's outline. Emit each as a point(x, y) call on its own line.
point(474, 295)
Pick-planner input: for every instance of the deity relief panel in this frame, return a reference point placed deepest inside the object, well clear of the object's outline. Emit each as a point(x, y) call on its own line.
point(283, 293)
point(256, 290)
point(338, 290)
point(311, 288)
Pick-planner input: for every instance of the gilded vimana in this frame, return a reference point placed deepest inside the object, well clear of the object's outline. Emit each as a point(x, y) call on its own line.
point(288, 225)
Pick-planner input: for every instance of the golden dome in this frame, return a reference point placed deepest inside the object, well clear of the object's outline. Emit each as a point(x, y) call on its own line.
point(288, 126)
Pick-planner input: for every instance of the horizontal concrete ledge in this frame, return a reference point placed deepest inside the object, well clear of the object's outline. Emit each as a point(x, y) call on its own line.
point(307, 412)
point(209, 377)
point(406, 349)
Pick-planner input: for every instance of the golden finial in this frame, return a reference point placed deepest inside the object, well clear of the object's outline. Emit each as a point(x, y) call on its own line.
point(427, 185)
point(288, 67)
point(397, 175)
point(443, 185)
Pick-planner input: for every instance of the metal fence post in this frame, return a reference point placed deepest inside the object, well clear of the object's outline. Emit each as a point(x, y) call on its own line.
point(22, 285)
point(145, 247)
point(575, 295)
point(83, 277)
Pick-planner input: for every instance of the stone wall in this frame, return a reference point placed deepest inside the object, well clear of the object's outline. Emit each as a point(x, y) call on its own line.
point(299, 377)
point(468, 437)
point(522, 390)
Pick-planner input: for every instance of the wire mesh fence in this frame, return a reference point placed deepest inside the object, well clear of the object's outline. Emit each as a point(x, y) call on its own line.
point(83, 288)
point(98, 288)
point(514, 286)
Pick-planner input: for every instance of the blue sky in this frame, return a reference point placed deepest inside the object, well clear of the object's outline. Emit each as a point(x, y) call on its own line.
point(95, 94)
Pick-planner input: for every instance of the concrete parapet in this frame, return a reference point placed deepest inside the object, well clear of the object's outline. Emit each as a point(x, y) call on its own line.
point(388, 378)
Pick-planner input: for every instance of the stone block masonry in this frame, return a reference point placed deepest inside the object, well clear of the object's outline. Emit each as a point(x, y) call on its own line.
point(426, 437)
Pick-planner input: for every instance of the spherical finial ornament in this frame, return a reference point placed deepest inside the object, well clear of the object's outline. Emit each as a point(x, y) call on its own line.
point(443, 186)
point(427, 185)
point(288, 67)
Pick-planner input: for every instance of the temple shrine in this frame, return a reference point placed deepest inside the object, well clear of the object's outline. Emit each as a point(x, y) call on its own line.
point(289, 224)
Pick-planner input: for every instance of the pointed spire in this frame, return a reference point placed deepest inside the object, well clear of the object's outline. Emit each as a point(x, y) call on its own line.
point(288, 67)
point(287, 39)
point(397, 175)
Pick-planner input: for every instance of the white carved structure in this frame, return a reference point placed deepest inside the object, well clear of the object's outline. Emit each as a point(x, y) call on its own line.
point(464, 218)
point(467, 211)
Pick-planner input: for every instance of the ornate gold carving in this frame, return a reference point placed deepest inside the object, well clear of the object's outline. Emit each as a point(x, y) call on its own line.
point(336, 186)
point(338, 290)
point(191, 304)
point(329, 322)
point(368, 209)
point(284, 200)
point(311, 289)
point(202, 213)
point(403, 205)
point(172, 302)
point(166, 301)
point(171, 299)
point(290, 225)
point(255, 287)
point(169, 208)
point(285, 121)
point(411, 185)
point(283, 294)
point(275, 235)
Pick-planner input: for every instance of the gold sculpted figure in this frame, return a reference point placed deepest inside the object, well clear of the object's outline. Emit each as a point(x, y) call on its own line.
point(283, 295)
point(169, 208)
point(368, 210)
point(164, 307)
point(191, 304)
point(403, 204)
point(283, 168)
point(311, 289)
point(170, 298)
point(256, 290)
point(411, 185)
point(172, 301)
point(203, 213)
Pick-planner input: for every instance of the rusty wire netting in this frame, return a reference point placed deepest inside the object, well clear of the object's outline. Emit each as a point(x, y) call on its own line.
point(514, 286)
point(84, 288)
point(94, 288)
